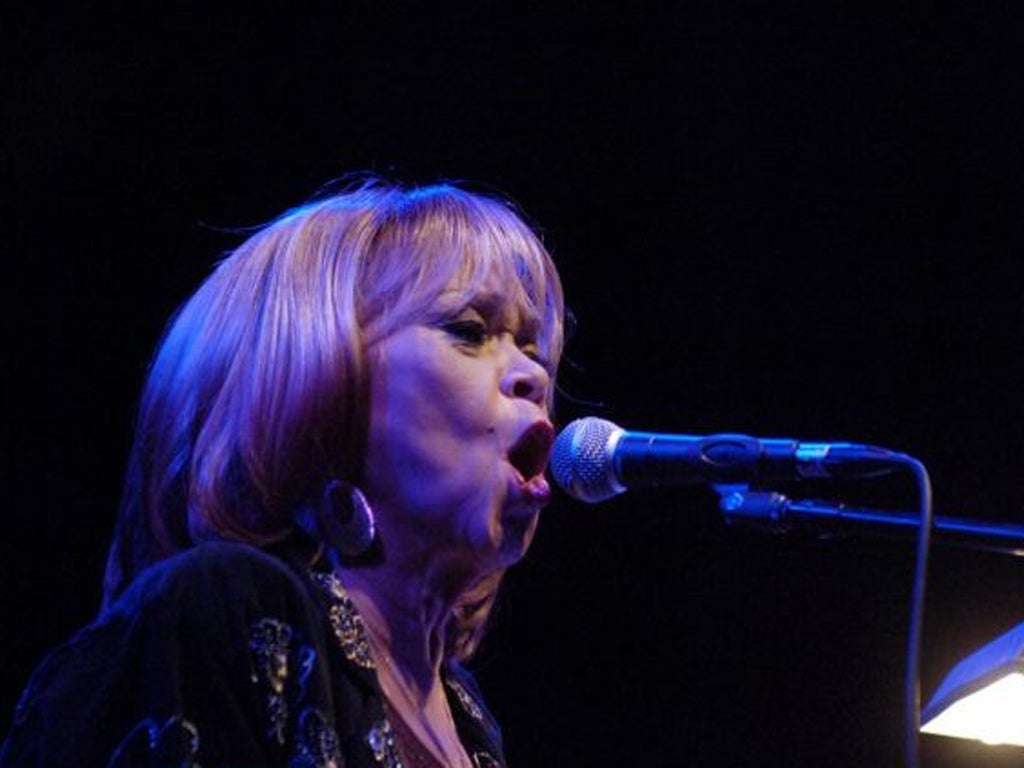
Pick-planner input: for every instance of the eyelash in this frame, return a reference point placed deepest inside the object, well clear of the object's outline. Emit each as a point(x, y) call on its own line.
point(475, 333)
point(471, 332)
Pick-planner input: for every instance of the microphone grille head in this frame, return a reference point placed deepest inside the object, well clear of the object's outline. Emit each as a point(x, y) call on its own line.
point(581, 460)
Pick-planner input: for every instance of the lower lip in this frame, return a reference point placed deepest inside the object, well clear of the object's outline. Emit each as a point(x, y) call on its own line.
point(536, 490)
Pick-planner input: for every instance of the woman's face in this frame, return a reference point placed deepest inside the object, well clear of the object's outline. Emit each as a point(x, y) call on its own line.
point(459, 433)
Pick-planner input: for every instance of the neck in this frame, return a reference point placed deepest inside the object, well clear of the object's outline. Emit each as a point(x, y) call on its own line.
point(406, 600)
point(406, 619)
point(407, 611)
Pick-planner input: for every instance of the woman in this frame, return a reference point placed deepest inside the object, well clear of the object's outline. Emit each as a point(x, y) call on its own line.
point(340, 449)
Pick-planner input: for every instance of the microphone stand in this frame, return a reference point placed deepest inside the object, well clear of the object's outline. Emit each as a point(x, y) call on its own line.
point(776, 513)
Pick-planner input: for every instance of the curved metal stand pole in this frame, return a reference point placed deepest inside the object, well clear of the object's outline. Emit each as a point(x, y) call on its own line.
point(777, 513)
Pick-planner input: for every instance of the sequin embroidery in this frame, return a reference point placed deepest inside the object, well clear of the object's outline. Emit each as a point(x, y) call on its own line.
point(346, 622)
point(485, 760)
point(171, 745)
point(384, 745)
point(465, 699)
point(317, 743)
point(306, 662)
point(269, 640)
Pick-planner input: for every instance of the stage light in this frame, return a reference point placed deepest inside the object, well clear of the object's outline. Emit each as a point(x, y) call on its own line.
point(983, 696)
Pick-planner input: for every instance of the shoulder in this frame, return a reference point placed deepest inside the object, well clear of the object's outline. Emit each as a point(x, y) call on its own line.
point(209, 569)
point(220, 606)
point(202, 603)
point(195, 637)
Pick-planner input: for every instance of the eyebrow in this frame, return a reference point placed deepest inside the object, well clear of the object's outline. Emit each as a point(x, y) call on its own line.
point(492, 303)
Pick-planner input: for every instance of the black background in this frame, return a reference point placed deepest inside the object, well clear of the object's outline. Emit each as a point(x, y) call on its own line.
point(770, 219)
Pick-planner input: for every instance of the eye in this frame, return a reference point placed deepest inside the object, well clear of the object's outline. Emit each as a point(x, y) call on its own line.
point(467, 331)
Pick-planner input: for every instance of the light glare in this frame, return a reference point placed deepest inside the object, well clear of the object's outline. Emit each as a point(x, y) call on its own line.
point(993, 714)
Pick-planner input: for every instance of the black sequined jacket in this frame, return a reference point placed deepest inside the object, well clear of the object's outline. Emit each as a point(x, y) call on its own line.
point(224, 656)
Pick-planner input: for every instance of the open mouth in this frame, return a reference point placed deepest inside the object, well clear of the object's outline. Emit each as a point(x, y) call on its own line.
point(530, 453)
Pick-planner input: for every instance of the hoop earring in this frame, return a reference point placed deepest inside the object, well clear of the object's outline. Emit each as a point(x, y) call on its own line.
point(345, 519)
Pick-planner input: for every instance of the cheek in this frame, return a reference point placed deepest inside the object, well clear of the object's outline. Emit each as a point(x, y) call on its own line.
point(440, 396)
point(435, 417)
point(433, 425)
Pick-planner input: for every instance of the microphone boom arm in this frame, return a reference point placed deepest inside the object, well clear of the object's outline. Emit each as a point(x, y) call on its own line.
point(776, 513)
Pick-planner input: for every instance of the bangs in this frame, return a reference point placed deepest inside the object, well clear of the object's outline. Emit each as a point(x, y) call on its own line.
point(442, 237)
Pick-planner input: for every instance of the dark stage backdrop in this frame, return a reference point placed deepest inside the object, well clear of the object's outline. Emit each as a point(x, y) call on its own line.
point(775, 220)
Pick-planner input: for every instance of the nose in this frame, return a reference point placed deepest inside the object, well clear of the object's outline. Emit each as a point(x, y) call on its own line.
point(525, 378)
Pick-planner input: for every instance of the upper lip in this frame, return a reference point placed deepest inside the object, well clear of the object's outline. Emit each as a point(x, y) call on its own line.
point(529, 454)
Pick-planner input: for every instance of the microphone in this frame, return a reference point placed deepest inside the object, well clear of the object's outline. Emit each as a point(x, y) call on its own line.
point(593, 459)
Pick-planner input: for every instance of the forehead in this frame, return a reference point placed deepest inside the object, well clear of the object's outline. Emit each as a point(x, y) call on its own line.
point(446, 263)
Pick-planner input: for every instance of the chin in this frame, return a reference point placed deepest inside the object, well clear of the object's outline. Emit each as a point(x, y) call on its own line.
point(516, 537)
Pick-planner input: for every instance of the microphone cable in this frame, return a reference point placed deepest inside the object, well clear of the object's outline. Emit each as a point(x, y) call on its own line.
point(912, 680)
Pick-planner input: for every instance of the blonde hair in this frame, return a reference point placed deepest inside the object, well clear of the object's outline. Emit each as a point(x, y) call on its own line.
point(258, 392)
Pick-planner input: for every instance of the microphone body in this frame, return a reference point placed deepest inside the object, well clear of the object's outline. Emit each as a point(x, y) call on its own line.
point(593, 459)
